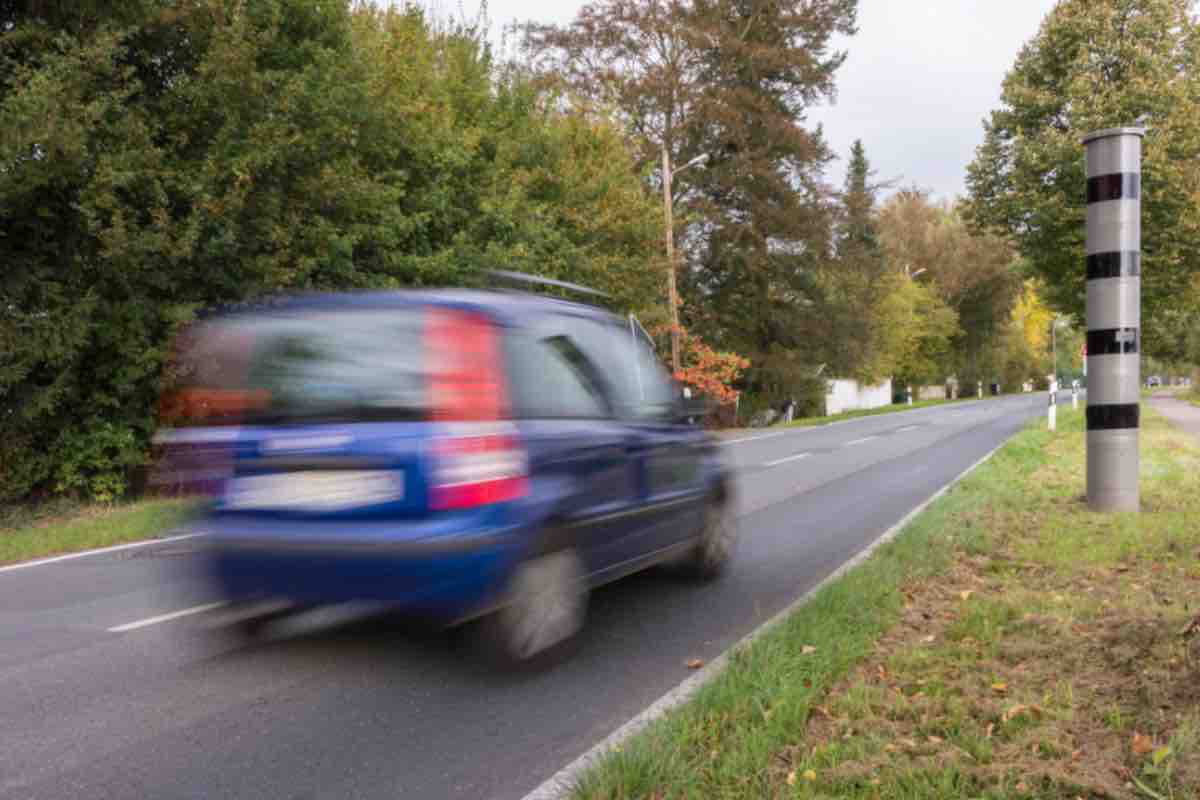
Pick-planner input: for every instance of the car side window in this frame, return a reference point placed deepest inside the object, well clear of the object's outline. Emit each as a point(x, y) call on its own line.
point(636, 380)
point(552, 378)
point(655, 391)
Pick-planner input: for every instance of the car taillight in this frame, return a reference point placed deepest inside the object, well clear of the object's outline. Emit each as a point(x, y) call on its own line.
point(473, 465)
point(464, 366)
point(478, 468)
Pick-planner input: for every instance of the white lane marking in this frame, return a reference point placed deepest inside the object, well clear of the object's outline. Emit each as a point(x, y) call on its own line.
point(859, 441)
point(100, 551)
point(561, 784)
point(779, 461)
point(142, 623)
point(907, 428)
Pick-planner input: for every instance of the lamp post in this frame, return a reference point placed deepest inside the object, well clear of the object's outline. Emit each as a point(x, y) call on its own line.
point(672, 291)
point(1054, 326)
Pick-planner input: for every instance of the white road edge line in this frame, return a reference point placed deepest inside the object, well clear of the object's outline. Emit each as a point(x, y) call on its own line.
point(779, 461)
point(99, 551)
point(756, 438)
point(859, 441)
point(907, 428)
point(142, 623)
point(560, 785)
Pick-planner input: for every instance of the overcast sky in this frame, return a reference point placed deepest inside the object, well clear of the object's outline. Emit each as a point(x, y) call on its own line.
point(920, 77)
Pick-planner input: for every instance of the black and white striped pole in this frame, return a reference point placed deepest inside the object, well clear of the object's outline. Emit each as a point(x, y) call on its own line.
point(1114, 242)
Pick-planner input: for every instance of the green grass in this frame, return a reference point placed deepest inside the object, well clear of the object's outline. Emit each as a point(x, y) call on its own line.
point(65, 527)
point(1009, 643)
point(871, 412)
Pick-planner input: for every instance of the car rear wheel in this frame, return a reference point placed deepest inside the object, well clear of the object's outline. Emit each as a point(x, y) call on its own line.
point(545, 608)
point(717, 542)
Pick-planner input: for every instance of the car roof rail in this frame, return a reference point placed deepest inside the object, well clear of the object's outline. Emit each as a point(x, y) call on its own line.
point(523, 280)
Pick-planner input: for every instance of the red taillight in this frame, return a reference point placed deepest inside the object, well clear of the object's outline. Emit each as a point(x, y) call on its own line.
point(477, 469)
point(465, 378)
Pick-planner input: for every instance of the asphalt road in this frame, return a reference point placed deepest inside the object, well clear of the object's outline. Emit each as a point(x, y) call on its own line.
point(1179, 413)
point(366, 707)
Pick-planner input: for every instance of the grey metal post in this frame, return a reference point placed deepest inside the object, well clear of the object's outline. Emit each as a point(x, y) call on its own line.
point(1114, 242)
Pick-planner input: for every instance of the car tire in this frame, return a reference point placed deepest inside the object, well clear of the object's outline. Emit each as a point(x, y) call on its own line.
point(717, 541)
point(544, 610)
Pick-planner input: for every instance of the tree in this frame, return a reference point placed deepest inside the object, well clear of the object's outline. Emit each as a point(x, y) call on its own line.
point(1026, 339)
point(975, 274)
point(1098, 64)
point(923, 329)
point(161, 157)
point(876, 316)
point(731, 81)
point(764, 211)
point(636, 59)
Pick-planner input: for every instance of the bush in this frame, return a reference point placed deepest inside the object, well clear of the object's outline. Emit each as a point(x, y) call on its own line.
point(95, 462)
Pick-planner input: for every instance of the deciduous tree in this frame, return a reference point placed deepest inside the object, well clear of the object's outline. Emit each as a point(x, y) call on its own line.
point(1098, 64)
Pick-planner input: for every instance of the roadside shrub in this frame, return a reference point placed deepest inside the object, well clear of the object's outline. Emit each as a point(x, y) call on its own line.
point(95, 462)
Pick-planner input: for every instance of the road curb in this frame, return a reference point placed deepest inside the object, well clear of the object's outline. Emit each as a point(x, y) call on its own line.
point(560, 785)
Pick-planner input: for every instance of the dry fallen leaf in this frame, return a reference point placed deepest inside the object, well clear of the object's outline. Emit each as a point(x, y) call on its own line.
point(966, 595)
point(1141, 744)
point(695, 663)
point(991, 727)
point(999, 688)
point(928, 639)
point(810, 775)
point(791, 778)
point(807, 650)
point(1076, 755)
point(935, 740)
point(1020, 709)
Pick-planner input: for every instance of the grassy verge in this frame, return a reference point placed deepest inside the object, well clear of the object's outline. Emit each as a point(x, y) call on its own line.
point(66, 527)
point(1008, 644)
point(808, 422)
point(871, 412)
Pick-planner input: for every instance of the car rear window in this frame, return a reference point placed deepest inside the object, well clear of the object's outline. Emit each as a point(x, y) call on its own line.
point(303, 368)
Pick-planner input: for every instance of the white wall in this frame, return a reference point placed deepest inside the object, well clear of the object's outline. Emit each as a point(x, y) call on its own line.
point(847, 395)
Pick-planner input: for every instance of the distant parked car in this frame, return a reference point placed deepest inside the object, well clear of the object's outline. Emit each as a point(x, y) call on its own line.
point(457, 455)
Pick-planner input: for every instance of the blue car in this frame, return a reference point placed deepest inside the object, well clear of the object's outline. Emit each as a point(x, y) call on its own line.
point(455, 454)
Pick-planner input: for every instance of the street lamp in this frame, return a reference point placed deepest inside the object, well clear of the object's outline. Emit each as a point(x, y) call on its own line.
point(672, 291)
point(1058, 321)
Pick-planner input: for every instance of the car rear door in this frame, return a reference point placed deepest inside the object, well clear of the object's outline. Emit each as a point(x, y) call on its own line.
point(665, 454)
point(578, 450)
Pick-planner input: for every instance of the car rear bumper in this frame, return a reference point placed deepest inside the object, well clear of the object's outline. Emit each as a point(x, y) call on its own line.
point(445, 578)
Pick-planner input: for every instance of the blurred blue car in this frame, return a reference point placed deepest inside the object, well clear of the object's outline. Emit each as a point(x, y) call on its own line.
point(456, 455)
